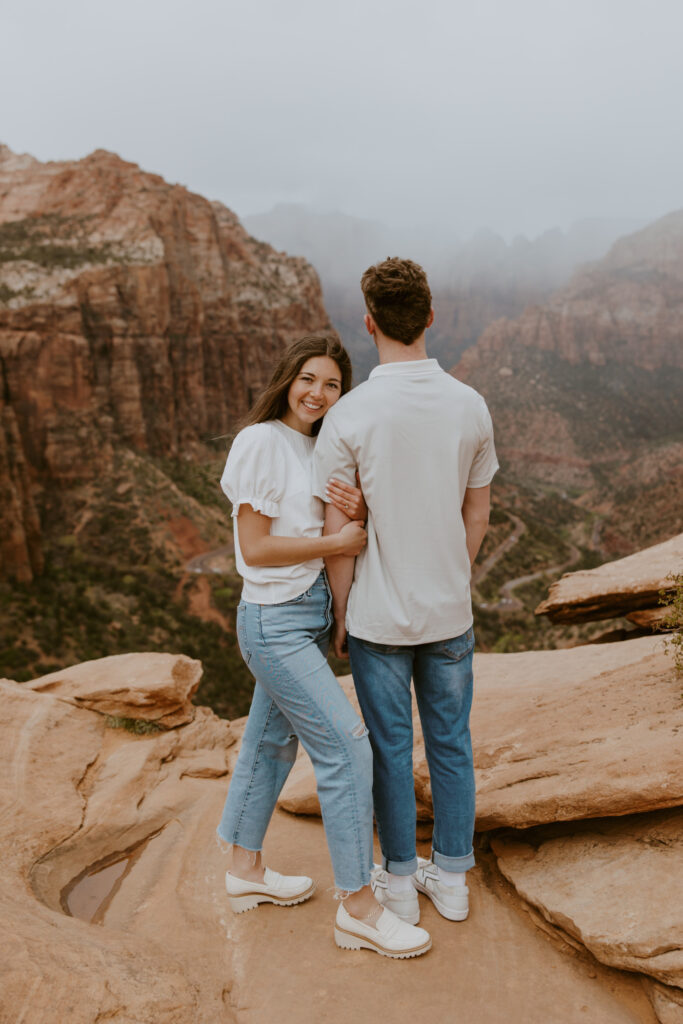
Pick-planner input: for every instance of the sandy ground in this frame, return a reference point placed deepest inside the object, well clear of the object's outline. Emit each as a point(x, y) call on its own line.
point(496, 967)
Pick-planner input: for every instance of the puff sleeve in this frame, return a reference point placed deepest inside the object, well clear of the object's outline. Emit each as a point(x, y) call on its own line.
point(254, 473)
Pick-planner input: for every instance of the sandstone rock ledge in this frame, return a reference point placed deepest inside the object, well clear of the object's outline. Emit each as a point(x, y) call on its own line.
point(150, 687)
point(561, 735)
point(167, 950)
point(616, 588)
point(616, 885)
point(77, 794)
point(574, 751)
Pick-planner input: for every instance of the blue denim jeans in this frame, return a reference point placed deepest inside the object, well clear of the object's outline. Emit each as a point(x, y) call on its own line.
point(442, 675)
point(297, 697)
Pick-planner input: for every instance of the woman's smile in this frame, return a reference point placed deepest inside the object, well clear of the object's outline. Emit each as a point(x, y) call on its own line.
point(316, 388)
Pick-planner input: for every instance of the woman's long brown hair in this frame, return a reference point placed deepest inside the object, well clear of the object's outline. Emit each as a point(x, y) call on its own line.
point(272, 405)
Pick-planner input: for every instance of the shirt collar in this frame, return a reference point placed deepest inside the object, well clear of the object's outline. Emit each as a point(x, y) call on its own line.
point(416, 367)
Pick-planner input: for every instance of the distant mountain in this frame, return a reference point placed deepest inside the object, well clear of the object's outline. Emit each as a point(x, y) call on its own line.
point(474, 281)
point(586, 389)
point(625, 309)
point(339, 246)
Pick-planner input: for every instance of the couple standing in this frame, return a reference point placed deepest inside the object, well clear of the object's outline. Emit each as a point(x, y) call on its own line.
point(422, 444)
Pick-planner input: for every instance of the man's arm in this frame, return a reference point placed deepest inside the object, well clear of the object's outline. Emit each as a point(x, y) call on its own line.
point(259, 547)
point(475, 516)
point(339, 570)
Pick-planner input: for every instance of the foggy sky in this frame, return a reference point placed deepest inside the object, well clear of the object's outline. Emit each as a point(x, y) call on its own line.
point(516, 114)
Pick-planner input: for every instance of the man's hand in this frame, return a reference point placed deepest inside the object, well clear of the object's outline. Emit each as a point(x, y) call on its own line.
point(339, 640)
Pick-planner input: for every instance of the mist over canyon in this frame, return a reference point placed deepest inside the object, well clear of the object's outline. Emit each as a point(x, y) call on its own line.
point(475, 280)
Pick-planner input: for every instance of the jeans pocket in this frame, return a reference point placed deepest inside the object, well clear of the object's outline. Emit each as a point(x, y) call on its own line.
point(458, 647)
point(242, 632)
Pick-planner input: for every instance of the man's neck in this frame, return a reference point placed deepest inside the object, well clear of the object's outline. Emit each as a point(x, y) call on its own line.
point(391, 351)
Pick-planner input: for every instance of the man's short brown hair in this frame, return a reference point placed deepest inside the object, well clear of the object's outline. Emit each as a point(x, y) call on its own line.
point(398, 298)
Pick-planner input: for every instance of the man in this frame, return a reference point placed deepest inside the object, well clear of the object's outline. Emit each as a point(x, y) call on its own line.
point(422, 443)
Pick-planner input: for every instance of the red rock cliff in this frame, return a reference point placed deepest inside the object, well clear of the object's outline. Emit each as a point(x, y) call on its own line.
point(131, 311)
point(591, 382)
point(627, 308)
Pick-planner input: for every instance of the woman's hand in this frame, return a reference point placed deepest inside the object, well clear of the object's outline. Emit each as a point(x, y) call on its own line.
point(353, 538)
point(348, 499)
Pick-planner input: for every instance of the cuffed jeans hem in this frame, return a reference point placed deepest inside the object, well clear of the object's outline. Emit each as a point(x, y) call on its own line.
point(458, 864)
point(400, 867)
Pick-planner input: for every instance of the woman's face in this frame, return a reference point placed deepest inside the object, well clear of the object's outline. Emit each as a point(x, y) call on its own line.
point(315, 389)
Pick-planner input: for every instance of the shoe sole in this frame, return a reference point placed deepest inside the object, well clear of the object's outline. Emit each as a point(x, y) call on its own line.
point(450, 915)
point(251, 900)
point(350, 940)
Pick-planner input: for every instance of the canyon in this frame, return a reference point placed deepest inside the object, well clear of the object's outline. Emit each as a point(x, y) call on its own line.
point(138, 321)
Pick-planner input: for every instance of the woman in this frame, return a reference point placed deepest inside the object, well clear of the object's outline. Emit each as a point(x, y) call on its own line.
point(283, 626)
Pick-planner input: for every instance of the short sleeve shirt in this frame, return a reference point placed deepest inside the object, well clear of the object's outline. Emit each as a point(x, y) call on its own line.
point(419, 438)
point(269, 467)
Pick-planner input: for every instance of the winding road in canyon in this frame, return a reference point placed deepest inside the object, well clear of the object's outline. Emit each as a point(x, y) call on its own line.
point(220, 560)
point(507, 602)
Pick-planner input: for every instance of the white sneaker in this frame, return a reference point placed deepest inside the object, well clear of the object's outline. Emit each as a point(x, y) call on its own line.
point(282, 890)
point(389, 936)
point(451, 901)
point(404, 904)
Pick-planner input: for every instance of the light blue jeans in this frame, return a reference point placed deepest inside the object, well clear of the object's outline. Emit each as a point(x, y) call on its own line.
point(297, 697)
point(442, 676)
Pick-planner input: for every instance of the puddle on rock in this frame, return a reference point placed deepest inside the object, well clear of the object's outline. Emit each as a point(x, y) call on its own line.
point(89, 895)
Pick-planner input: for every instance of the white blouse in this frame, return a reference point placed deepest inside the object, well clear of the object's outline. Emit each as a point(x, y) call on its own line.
point(270, 468)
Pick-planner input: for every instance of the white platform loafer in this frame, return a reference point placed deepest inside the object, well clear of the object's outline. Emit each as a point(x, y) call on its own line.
point(389, 936)
point(404, 904)
point(282, 890)
point(452, 902)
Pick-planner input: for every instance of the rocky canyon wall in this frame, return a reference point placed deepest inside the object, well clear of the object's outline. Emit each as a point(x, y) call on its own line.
point(591, 382)
point(132, 312)
point(627, 308)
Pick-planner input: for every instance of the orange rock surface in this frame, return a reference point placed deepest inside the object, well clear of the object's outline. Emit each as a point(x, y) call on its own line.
point(160, 945)
point(615, 588)
point(148, 687)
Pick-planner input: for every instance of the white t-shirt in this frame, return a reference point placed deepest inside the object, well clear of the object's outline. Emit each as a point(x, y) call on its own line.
point(419, 438)
point(269, 467)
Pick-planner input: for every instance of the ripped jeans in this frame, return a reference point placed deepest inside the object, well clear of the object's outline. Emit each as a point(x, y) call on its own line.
point(297, 697)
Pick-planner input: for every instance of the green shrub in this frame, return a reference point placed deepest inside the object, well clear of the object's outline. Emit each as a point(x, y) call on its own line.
point(674, 619)
point(139, 726)
point(51, 241)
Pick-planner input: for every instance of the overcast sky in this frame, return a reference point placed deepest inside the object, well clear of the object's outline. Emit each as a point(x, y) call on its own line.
point(516, 114)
